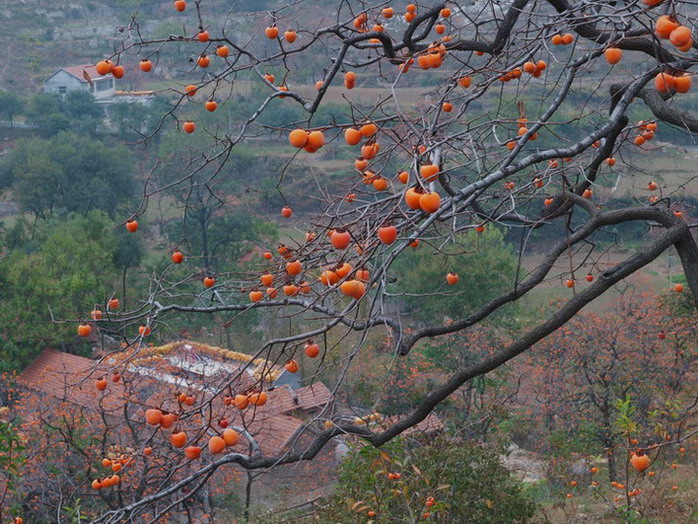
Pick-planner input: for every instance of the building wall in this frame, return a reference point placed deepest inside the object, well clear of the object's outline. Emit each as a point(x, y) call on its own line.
point(62, 83)
point(103, 87)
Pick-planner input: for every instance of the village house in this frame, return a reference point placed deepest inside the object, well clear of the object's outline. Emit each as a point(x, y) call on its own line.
point(102, 87)
point(153, 377)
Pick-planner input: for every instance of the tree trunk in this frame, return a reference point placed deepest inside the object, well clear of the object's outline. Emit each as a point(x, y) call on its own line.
point(248, 495)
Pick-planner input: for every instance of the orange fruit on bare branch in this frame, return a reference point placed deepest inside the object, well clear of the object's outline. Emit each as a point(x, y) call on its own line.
point(352, 136)
point(639, 461)
point(312, 350)
point(203, 61)
point(271, 32)
point(613, 55)
point(298, 138)
point(179, 439)
point(387, 234)
point(230, 437)
point(216, 445)
point(153, 416)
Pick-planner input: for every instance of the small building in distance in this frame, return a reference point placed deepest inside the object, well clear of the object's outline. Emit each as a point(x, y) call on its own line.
point(81, 78)
point(102, 87)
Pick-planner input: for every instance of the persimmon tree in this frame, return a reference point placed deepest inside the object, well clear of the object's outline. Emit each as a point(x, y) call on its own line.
point(523, 121)
point(642, 353)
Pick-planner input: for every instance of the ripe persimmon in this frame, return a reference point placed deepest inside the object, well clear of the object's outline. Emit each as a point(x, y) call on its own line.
point(146, 65)
point(298, 138)
point(352, 136)
point(103, 67)
point(153, 416)
point(272, 32)
point(682, 84)
point(209, 281)
point(429, 171)
point(180, 5)
point(230, 437)
point(223, 51)
point(178, 439)
point(101, 384)
point(203, 36)
point(452, 279)
point(387, 234)
point(256, 295)
point(177, 257)
point(294, 268)
point(430, 202)
point(680, 36)
point(132, 225)
point(664, 82)
point(368, 130)
point(312, 350)
point(316, 139)
point(340, 239)
point(613, 55)
point(216, 445)
point(192, 452)
point(211, 105)
point(84, 330)
point(664, 26)
point(259, 399)
point(291, 366)
point(640, 461)
point(189, 127)
point(113, 304)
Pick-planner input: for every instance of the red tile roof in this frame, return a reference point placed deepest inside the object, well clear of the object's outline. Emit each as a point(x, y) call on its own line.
point(286, 400)
point(71, 378)
point(429, 425)
point(79, 71)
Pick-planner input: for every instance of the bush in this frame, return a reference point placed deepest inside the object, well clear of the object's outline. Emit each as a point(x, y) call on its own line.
point(467, 483)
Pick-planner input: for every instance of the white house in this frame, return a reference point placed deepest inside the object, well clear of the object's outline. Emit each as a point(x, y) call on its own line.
point(81, 77)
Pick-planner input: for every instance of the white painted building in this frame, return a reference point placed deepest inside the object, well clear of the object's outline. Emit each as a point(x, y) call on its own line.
point(83, 78)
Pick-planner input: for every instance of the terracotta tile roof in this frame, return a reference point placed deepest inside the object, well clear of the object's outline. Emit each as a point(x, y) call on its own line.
point(314, 396)
point(431, 424)
point(71, 378)
point(79, 71)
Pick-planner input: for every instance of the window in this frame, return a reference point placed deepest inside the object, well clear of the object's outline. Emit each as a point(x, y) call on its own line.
point(103, 85)
point(62, 90)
